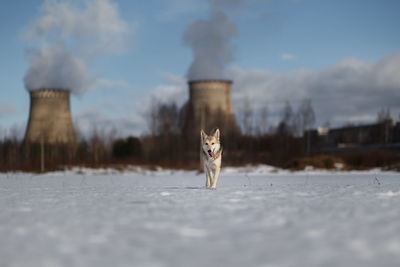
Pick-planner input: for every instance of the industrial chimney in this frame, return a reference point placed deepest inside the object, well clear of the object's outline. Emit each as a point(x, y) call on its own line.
point(209, 106)
point(50, 117)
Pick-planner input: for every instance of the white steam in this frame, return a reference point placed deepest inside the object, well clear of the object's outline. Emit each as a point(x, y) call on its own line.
point(68, 38)
point(54, 67)
point(210, 43)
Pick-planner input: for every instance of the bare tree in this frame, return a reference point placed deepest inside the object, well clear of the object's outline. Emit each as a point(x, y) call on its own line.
point(152, 116)
point(305, 116)
point(167, 119)
point(383, 115)
point(383, 119)
point(286, 125)
point(305, 119)
point(246, 117)
point(262, 122)
point(163, 118)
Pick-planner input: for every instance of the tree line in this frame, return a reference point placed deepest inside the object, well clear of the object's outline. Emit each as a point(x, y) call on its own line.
point(169, 144)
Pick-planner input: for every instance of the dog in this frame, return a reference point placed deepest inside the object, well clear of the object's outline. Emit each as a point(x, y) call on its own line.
point(211, 156)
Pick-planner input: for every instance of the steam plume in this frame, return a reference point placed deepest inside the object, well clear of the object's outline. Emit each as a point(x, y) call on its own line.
point(68, 38)
point(210, 43)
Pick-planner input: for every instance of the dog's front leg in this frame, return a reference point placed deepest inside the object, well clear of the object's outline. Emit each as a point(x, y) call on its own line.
point(208, 176)
point(215, 180)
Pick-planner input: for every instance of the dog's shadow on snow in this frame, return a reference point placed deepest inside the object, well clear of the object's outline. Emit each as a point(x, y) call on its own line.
point(185, 187)
point(195, 187)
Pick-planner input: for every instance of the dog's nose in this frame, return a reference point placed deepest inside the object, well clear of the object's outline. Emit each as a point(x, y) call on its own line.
point(209, 151)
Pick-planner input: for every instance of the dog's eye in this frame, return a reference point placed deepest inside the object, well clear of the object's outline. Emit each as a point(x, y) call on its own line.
point(206, 144)
point(212, 144)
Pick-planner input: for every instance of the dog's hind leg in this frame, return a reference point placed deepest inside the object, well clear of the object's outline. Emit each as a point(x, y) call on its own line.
point(215, 180)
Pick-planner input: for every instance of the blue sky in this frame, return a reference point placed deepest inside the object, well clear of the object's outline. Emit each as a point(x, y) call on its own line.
point(341, 54)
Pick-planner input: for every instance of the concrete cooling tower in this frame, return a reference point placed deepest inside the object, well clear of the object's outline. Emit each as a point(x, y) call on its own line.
point(210, 105)
point(50, 117)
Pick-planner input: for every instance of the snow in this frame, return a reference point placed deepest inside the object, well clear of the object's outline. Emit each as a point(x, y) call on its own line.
point(258, 216)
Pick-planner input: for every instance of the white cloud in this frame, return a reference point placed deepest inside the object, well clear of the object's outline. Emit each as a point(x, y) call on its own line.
point(175, 89)
point(130, 117)
point(287, 57)
point(112, 84)
point(354, 119)
point(349, 91)
point(95, 119)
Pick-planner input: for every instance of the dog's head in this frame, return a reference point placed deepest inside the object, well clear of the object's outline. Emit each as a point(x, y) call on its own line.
point(210, 143)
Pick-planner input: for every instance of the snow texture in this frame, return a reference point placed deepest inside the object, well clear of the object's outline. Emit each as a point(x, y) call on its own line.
point(256, 217)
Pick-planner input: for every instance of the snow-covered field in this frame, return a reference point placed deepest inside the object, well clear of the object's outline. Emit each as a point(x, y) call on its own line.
point(256, 217)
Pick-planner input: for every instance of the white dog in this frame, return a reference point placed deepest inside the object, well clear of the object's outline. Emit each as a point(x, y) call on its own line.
point(211, 156)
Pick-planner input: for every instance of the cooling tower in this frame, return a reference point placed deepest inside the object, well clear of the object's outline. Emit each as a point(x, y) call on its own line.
point(210, 105)
point(50, 117)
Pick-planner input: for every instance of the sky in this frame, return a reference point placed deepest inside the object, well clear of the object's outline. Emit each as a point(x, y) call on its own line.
point(343, 55)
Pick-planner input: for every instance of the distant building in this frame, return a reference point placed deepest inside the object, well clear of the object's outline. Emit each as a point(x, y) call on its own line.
point(384, 134)
point(209, 106)
point(50, 117)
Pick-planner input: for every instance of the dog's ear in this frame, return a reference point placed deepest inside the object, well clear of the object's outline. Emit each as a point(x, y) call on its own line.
point(202, 135)
point(216, 134)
